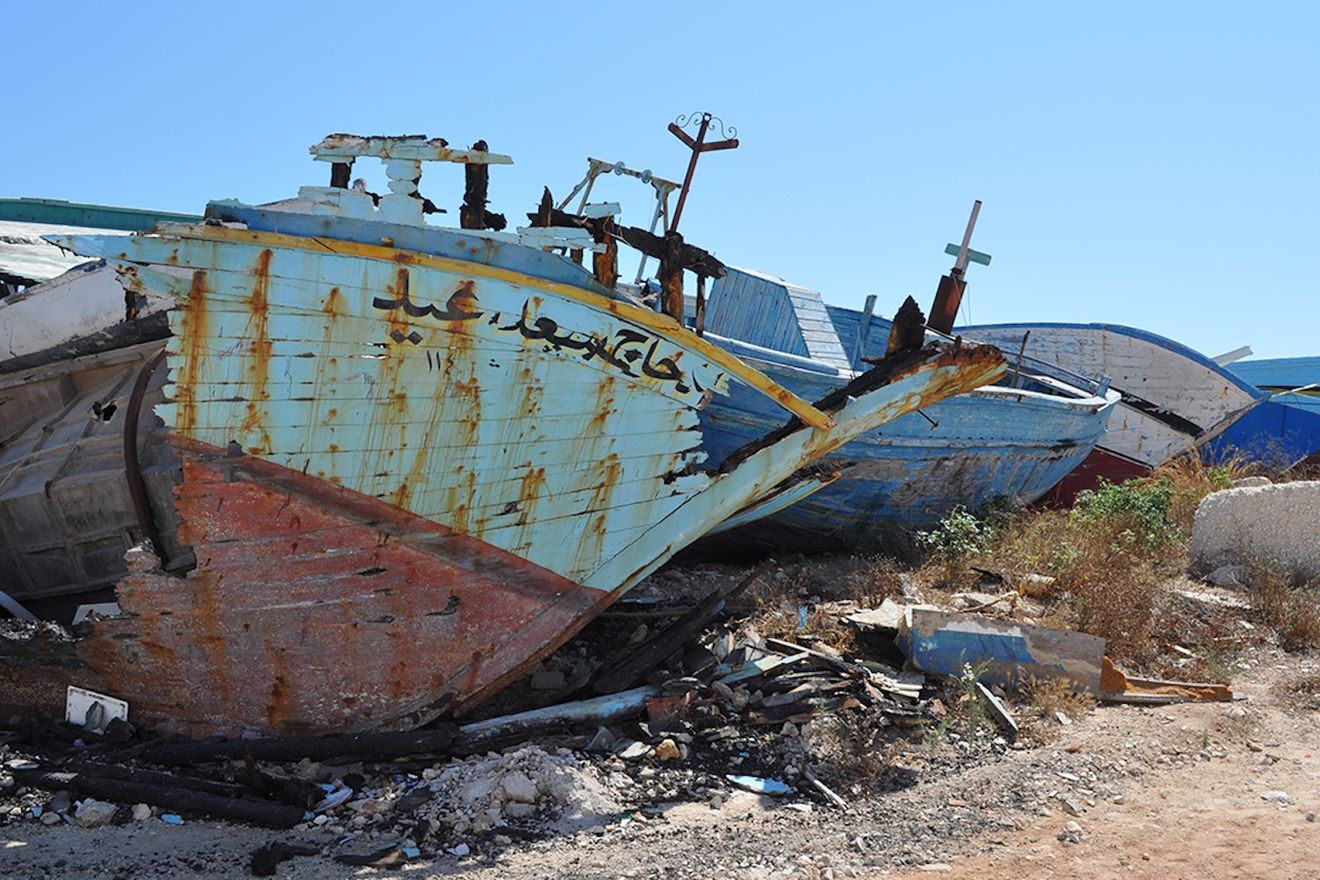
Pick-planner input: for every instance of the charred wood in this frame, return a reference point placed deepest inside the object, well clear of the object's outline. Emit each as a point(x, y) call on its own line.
point(908, 332)
point(473, 214)
point(627, 669)
point(384, 746)
point(257, 812)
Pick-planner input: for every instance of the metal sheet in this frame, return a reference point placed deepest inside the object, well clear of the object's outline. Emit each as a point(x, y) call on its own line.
point(942, 643)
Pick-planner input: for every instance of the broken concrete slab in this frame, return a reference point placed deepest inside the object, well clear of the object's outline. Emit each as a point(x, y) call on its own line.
point(1277, 525)
point(942, 642)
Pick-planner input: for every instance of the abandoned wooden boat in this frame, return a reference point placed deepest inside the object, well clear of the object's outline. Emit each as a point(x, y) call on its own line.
point(1174, 399)
point(1283, 430)
point(383, 467)
point(1010, 442)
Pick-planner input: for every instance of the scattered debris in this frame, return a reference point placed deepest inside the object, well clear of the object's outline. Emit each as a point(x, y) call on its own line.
point(772, 787)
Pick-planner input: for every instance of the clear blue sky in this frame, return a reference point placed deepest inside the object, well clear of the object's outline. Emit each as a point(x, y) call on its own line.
point(1153, 164)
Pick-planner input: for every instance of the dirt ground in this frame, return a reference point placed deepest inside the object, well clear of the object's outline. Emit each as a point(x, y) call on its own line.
point(1174, 791)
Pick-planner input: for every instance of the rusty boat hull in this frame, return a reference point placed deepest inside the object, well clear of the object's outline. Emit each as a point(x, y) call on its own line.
point(380, 483)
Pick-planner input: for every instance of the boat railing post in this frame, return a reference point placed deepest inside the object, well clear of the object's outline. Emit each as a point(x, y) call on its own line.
point(863, 330)
point(1022, 351)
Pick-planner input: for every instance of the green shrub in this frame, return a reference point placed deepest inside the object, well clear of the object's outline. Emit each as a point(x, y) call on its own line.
point(958, 535)
point(1140, 509)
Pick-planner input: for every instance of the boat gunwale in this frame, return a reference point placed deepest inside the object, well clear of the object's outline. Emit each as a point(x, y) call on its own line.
point(1066, 397)
point(661, 324)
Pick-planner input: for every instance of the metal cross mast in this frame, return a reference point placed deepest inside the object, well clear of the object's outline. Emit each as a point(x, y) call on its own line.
point(698, 146)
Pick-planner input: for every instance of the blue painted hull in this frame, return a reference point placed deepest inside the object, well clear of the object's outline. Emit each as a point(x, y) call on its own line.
point(1286, 428)
point(1275, 433)
point(993, 443)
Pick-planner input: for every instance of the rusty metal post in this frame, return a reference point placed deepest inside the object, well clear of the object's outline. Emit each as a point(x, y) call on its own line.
point(948, 297)
point(700, 321)
point(949, 294)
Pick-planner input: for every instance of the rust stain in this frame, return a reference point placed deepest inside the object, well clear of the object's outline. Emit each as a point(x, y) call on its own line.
point(194, 334)
point(333, 305)
point(259, 347)
point(529, 489)
point(277, 710)
point(208, 629)
point(604, 407)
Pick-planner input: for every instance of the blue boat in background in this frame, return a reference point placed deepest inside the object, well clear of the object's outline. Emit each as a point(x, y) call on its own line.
point(1285, 429)
point(1012, 441)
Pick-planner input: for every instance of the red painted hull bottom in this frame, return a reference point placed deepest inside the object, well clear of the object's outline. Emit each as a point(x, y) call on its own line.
point(312, 609)
point(1100, 463)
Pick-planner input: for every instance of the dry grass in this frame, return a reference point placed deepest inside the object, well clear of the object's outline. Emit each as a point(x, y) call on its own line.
point(1291, 611)
point(1301, 693)
point(853, 747)
point(1105, 581)
point(777, 611)
point(875, 579)
point(1047, 697)
point(1192, 479)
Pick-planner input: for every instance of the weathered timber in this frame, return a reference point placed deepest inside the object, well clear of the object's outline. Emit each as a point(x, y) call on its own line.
point(256, 812)
point(1118, 687)
point(819, 658)
point(606, 263)
point(473, 214)
point(384, 745)
point(908, 331)
point(829, 793)
point(943, 643)
point(686, 256)
point(626, 670)
point(998, 711)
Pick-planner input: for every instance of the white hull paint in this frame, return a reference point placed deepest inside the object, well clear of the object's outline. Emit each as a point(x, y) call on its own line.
point(1174, 399)
point(85, 300)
